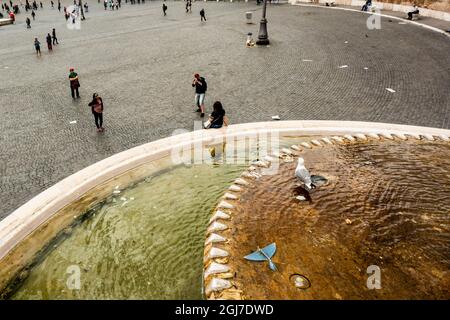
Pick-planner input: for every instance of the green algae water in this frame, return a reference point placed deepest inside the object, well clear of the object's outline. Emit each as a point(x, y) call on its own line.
point(145, 242)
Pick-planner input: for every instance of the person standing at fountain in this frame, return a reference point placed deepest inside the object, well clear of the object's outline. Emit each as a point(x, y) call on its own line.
point(200, 90)
point(97, 110)
point(74, 83)
point(217, 119)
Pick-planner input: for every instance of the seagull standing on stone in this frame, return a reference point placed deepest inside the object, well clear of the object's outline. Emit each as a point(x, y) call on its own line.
point(303, 174)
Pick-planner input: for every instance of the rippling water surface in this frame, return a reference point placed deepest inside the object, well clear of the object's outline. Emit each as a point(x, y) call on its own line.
point(144, 243)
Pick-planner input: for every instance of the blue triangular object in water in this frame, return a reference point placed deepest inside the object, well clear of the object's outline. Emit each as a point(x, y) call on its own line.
point(264, 254)
point(255, 256)
point(270, 250)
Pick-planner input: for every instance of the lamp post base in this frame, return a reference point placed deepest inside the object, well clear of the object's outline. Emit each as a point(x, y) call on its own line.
point(263, 38)
point(262, 42)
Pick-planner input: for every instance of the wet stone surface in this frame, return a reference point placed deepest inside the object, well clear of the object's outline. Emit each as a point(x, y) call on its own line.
point(385, 207)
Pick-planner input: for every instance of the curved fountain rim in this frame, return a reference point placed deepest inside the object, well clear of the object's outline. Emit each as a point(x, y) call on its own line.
point(31, 215)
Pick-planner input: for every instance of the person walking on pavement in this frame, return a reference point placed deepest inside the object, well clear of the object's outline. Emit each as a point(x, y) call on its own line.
point(97, 110)
point(55, 39)
point(59, 6)
point(33, 14)
point(28, 21)
point(164, 7)
point(200, 90)
point(74, 83)
point(37, 46)
point(49, 42)
point(202, 15)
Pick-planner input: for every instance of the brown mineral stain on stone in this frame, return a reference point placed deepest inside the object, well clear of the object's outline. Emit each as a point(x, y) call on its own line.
point(385, 189)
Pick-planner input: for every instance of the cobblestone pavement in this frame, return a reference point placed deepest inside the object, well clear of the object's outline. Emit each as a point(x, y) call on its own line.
point(432, 22)
point(142, 63)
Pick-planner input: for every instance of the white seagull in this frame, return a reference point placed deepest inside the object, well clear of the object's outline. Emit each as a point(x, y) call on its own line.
point(303, 174)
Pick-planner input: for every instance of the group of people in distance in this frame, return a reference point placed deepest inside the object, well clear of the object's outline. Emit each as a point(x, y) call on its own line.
point(188, 9)
point(50, 39)
point(217, 118)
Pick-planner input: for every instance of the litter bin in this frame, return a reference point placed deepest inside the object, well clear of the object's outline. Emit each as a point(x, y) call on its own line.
point(248, 15)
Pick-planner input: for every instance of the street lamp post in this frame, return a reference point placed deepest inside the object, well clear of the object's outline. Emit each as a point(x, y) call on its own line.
point(263, 37)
